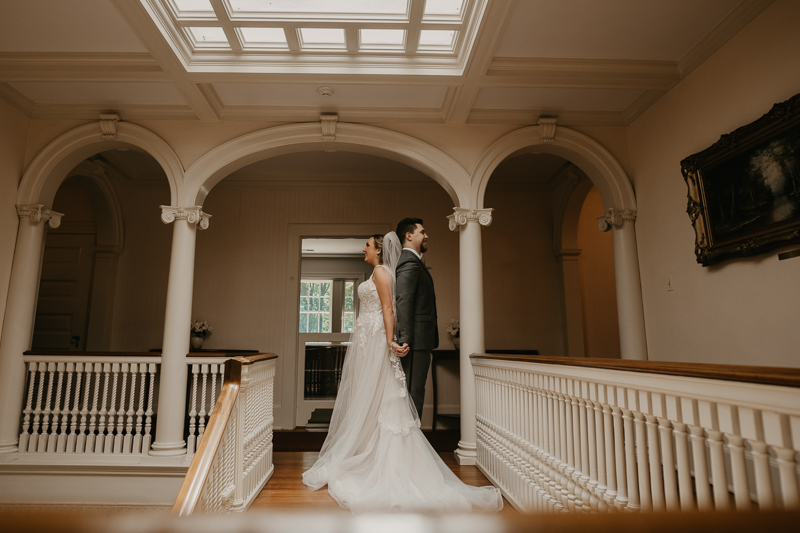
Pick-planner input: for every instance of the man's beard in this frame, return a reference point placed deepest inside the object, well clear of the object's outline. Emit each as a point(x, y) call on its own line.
point(423, 247)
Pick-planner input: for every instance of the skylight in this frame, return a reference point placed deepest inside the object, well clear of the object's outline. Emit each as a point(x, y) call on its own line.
point(273, 35)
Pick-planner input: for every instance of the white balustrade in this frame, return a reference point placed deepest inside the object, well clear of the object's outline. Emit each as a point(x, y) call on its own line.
point(207, 375)
point(82, 404)
point(560, 438)
point(242, 463)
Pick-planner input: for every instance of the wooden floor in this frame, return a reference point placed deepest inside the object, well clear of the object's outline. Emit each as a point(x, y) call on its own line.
point(286, 490)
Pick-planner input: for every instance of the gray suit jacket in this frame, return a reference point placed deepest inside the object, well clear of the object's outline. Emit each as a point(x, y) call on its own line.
point(416, 304)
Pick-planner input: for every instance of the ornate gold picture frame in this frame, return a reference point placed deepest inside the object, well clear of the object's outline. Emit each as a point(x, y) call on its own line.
point(744, 190)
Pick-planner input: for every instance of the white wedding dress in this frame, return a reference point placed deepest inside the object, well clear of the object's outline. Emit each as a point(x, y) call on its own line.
point(375, 458)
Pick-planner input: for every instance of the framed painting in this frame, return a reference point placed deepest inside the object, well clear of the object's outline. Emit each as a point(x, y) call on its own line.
point(744, 190)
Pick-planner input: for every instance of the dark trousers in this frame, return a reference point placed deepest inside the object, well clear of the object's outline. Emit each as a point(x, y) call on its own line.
point(416, 365)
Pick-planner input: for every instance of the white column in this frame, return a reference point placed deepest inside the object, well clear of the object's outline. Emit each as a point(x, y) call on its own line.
point(630, 312)
point(471, 318)
point(177, 323)
point(20, 316)
point(573, 307)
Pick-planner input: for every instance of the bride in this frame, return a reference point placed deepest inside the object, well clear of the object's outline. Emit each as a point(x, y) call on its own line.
point(375, 457)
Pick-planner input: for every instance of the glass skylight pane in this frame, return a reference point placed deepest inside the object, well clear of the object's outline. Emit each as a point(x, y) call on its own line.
point(387, 37)
point(322, 35)
point(264, 35)
point(384, 7)
point(193, 5)
point(209, 35)
point(443, 7)
point(437, 38)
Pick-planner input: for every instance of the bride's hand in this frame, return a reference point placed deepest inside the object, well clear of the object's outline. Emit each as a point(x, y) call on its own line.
point(402, 351)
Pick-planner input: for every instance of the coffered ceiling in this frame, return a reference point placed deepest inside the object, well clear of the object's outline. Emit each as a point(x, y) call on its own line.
point(586, 62)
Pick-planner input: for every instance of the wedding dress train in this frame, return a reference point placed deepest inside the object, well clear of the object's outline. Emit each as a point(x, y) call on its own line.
point(375, 457)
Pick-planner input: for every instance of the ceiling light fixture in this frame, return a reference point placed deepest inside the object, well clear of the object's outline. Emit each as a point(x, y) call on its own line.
point(325, 90)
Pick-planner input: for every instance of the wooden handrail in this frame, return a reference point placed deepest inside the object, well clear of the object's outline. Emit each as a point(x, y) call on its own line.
point(192, 486)
point(787, 377)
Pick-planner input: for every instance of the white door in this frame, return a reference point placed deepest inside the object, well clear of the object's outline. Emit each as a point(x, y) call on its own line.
point(63, 306)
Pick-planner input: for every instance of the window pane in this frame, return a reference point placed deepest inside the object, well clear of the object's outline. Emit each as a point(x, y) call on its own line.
point(314, 304)
point(193, 5)
point(348, 303)
point(377, 37)
point(325, 325)
point(325, 304)
point(322, 35)
point(443, 7)
point(348, 288)
point(264, 35)
point(347, 323)
point(304, 303)
point(209, 35)
point(325, 288)
point(313, 289)
point(303, 323)
point(436, 38)
point(304, 288)
point(313, 323)
point(395, 7)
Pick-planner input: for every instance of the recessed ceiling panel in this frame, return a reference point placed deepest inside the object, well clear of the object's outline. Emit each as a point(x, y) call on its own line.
point(296, 94)
point(106, 93)
point(60, 26)
point(611, 29)
point(556, 98)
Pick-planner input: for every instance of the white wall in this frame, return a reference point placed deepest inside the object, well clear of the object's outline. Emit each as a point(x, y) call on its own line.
point(743, 311)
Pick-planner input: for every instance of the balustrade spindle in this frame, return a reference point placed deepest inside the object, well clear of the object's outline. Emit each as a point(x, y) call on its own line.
point(594, 476)
point(148, 438)
point(191, 441)
point(37, 410)
point(787, 470)
point(72, 439)
point(25, 436)
point(608, 430)
point(119, 438)
point(61, 445)
point(137, 439)
point(80, 445)
point(101, 426)
point(108, 446)
point(630, 460)
point(656, 480)
point(52, 438)
point(642, 461)
point(719, 479)
point(45, 436)
point(586, 495)
point(202, 414)
point(91, 437)
point(764, 494)
point(127, 443)
point(621, 501)
point(697, 437)
point(668, 464)
point(602, 486)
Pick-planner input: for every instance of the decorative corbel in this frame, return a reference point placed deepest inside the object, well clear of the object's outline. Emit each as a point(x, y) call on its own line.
point(614, 218)
point(108, 125)
point(462, 215)
point(547, 129)
point(328, 123)
point(38, 213)
point(193, 215)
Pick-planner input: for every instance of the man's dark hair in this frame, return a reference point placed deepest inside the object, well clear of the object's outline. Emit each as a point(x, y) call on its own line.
point(407, 225)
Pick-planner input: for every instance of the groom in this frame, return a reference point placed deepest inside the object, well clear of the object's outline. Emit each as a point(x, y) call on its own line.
point(416, 308)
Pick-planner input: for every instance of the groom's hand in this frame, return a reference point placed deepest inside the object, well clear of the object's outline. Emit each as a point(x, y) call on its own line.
point(403, 350)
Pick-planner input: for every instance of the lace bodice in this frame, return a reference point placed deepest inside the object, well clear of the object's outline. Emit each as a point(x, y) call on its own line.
point(370, 303)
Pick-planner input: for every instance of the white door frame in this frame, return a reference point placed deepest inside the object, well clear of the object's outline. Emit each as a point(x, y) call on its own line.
point(286, 373)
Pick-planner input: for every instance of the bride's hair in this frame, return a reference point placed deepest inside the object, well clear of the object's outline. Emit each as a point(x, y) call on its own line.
point(378, 240)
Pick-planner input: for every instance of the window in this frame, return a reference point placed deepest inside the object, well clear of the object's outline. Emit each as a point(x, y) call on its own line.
point(327, 305)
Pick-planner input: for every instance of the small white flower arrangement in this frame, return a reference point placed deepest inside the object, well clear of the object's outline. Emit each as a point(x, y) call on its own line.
point(453, 328)
point(200, 328)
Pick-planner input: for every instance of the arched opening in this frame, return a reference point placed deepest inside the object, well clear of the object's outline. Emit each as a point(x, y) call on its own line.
point(248, 268)
point(97, 265)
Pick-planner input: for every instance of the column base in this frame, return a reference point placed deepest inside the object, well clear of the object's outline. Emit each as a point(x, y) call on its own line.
point(9, 446)
point(467, 453)
point(168, 449)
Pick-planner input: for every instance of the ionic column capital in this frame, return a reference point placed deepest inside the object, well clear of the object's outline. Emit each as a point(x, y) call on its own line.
point(193, 215)
point(462, 215)
point(614, 218)
point(38, 213)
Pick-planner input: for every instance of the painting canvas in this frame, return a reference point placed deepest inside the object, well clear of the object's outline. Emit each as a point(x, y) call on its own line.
point(744, 191)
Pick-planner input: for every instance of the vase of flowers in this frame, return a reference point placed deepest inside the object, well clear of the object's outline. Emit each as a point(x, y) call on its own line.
point(200, 329)
point(454, 329)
